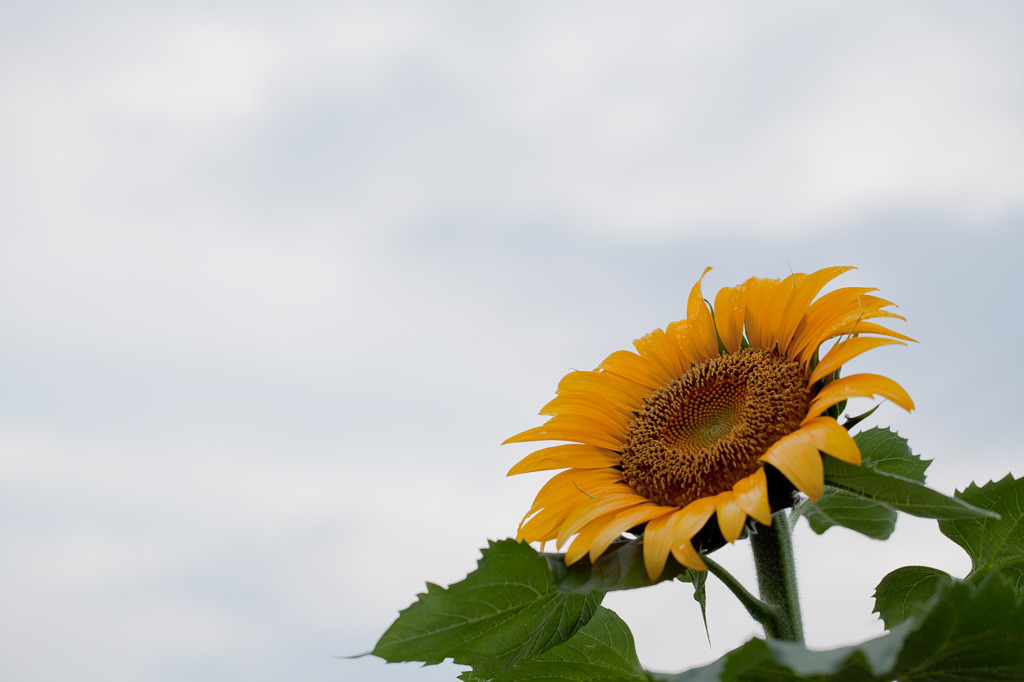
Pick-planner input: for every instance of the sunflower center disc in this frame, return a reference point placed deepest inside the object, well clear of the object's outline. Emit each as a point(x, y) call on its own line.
point(699, 435)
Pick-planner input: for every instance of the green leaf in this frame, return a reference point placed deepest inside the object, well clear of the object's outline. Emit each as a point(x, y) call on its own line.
point(505, 612)
point(621, 567)
point(780, 661)
point(963, 633)
point(993, 544)
point(886, 451)
point(902, 494)
point(883, 451)
point(840, 508)
point(905, 590)
point(603, 649)
point(966, 632)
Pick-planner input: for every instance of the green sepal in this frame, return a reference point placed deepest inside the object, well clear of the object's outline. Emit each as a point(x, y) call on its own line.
point(836, 409)
point(964, 632)
point(601, 650)
point(813, 363)
point(699, 580)
point(505, 612)
point(853, 421)
point(993, 544)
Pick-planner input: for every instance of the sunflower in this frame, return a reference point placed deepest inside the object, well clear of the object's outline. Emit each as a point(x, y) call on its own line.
point(690, 425)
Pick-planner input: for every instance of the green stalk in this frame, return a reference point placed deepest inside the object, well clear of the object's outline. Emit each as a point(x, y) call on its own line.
point(765, 614)
point(776, 577)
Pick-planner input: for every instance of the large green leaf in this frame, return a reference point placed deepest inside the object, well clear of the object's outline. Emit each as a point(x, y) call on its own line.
point(884, 451)
point(993, 544)
point(602, 650)
point(906, 590)
point(505, 612)
point(778, 661)
point(840, 508)
point(887, 451)
point(964, 633)
point(902, 494)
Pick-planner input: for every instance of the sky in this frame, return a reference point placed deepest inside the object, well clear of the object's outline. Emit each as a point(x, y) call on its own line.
point(277, 280)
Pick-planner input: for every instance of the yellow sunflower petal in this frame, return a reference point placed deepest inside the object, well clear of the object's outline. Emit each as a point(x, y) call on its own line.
point(569, 484)
point(683, 335)
point(729, 313)
point(843, 302)
point(700, 327)
point(831, 438)
point(581, 544)
point(564, 456)
point(842, 307)
point(821, 313)
point(541, 526)
point(634, 367)
point(796, 457)
point(555, 503)
point(664, 358)
point(695, 302)
point(563, 495)
point(872, 328)
point(688, 556)
point(583, 402)
point(657, 543)
point(760, 313)
point(611, 386)
point(590, 509)
point(844, 351)
point(800, 300)
point(858, 386)
point(731, 516)
point(569, 410)
point(851, 323)
point(571, 432)
point(692, 518)
point(829, 300)
point(622, 522)
point(820, 328)
point(571, 406)
point(752, 496)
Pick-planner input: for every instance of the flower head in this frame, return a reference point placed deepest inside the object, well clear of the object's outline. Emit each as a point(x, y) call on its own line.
point(685, 428)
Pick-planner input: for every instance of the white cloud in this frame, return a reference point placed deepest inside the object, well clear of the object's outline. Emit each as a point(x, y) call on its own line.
point(274, 285)
point(674, 121)
point(160, 554)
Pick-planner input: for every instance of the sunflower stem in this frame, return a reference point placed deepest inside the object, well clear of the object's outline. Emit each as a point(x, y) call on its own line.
point(776, 577)
point(760, 611)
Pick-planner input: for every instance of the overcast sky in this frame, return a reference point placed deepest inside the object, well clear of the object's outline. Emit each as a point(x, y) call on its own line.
point(276, 280)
